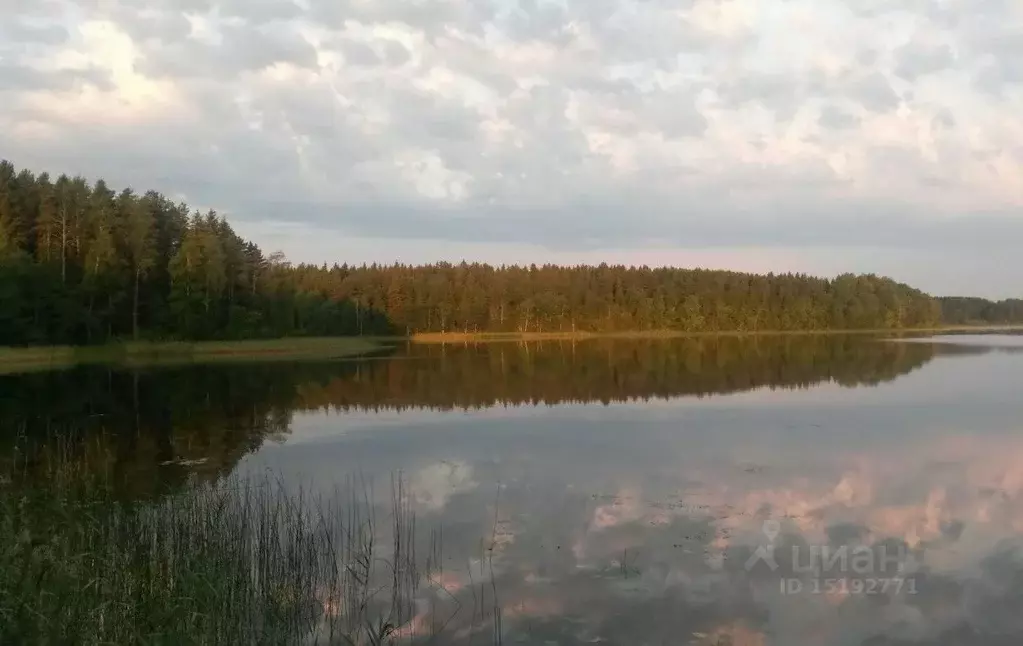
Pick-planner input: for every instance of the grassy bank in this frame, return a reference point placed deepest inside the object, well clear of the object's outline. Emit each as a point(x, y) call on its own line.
point(14, 360)
point(169, 353)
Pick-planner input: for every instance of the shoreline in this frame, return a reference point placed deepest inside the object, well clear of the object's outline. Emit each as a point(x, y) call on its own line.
point(162, 353)
point(492, 337)
point(166, 353)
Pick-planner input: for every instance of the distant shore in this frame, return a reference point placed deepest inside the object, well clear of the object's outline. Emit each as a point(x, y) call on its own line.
point(489, 337)
point(145, 353)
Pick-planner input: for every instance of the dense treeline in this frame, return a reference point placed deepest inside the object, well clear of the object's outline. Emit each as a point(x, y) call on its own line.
point(482, 298)
point(965, 310)
point(82, 263)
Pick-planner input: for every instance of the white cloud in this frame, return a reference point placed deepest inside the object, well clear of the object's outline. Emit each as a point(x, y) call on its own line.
point(434, 485)
point(794, 125)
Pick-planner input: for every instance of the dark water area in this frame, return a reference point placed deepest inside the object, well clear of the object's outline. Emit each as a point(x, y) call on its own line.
point(770, 490)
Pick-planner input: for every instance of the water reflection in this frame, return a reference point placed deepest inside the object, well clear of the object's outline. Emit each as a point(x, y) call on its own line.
point(592, 536)
point(631, 522)
point(154, 429)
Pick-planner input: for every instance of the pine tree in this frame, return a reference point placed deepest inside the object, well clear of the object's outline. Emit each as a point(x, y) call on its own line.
point(137, 231)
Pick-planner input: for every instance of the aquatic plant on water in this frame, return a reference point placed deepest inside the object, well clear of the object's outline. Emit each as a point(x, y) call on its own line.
point(233, 562)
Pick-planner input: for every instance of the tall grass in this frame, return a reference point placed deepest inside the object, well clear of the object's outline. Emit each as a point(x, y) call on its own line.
point(234, 562)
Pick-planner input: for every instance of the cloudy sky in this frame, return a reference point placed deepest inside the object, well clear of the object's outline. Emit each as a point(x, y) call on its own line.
point(769, 135)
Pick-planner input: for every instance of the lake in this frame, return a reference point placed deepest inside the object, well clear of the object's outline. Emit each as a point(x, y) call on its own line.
point(786, 490)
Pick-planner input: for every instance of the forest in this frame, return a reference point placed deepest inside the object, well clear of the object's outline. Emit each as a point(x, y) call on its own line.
point(84, 263)
point(966, 310)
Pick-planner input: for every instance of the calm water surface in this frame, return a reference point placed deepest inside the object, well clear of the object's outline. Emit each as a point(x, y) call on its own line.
point(782, 491)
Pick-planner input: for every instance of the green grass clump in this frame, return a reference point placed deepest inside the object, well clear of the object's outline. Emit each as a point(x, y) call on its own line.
point(235, 562)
